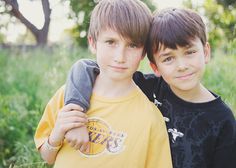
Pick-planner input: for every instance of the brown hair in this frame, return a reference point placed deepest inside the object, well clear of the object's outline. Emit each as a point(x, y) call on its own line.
point(130, 18)
point(174, 27)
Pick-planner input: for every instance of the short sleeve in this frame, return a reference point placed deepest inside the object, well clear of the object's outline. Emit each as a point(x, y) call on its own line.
point(159, 147)
point(47, 121)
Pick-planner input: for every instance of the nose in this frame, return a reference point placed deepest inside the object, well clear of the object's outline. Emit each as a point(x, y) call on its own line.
point(119, 54)
point(182, 64)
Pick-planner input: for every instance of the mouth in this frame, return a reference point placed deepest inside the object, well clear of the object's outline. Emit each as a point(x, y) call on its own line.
point(184, 77)
point(118, 68)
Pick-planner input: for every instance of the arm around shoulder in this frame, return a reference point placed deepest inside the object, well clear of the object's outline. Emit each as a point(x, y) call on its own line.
point(80, 83)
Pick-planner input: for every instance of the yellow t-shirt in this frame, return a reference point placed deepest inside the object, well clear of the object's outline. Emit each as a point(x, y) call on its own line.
point(126, 132)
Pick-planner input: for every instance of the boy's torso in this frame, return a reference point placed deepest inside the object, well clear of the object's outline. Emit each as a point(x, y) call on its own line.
point(119, 131)
point(193, 129)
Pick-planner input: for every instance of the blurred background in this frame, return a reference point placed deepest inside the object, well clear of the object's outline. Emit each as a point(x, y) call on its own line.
point(41, 39)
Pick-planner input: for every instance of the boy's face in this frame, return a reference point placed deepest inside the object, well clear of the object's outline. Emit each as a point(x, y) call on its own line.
point(182, 68)
point(117, 58)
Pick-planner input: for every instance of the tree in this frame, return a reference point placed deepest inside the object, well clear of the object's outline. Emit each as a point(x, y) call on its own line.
point(81, 13)
point(221, 21)
point(41, 35)
point(227, 3)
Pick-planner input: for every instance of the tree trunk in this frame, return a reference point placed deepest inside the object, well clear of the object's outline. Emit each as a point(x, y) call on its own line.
point(41, 35)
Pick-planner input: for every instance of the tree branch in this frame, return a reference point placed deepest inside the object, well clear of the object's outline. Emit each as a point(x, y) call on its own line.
point(41, 35)
point(15, 12)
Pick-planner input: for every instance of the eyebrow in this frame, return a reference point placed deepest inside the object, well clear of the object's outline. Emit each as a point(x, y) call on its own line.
point(189, 46)
point(109, 37)
point(165, 54)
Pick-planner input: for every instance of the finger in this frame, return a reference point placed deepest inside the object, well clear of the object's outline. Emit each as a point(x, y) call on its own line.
point(68, 126)
point(74, 120)
point(88, 148)
point(78, 146)
point(84, 147)
point(72, 106)
point(73, 113)
point(72, 143)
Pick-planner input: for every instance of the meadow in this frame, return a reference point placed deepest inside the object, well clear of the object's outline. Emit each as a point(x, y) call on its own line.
point(29, 78)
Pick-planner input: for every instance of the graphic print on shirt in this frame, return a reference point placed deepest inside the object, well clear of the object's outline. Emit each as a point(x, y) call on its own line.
point(173, 131)
point(102, 139)
point(175, 134)
point(156, 102)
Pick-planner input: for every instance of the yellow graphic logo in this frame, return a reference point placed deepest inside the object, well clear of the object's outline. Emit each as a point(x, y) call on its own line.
point(103, 139)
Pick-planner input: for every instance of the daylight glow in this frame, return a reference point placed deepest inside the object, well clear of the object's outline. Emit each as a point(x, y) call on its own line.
point(32, 10)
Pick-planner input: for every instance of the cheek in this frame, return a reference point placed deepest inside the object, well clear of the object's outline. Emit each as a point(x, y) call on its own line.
point(166, 71)
point(199, 63)
point(134, 61)
point(135, 57)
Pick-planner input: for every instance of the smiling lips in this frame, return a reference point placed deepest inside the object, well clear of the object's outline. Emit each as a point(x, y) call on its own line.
point(118, 68)
point(184, 77)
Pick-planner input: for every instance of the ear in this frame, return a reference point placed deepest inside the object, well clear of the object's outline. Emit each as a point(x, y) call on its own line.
point(207, 52)
point(155, 69)
point(92, 45)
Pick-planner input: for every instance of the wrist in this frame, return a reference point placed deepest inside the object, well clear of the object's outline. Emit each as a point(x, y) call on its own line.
point(54, 141)
point(55, 138)
point(53, 146)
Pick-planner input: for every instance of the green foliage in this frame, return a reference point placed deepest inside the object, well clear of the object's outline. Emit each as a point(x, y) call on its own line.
point(82, 10)
point(81, 13)
point(28, 80)
point(221, 21)
point(2, 38)
point(220, 77)
point(227, 3)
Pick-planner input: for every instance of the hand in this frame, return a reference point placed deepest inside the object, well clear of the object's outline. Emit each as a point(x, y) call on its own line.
point(78, 138)
point(69, 117)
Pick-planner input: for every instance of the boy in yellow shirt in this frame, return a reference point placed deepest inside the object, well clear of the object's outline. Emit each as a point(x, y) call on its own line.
point(125, 128)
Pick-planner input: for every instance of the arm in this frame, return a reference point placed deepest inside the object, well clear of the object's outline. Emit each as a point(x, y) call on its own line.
point(80, 83)
point(148, 83)
point(55, 122)
point(78, 91)
point(225, 152)
point(82, 76)
point(65, 121)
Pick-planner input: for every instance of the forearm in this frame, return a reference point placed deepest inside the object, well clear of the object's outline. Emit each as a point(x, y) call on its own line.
point(48, 151)
point(80, 83)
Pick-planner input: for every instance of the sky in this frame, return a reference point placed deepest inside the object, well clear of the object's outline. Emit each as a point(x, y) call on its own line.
point(168, 3)
point(59, 21)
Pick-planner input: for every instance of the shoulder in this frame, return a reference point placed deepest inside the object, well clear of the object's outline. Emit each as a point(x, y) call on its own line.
point(152, 113)
point(148, 83)
point(140, 77)
point(224, 118)
point(221, 109)
point(57, 100)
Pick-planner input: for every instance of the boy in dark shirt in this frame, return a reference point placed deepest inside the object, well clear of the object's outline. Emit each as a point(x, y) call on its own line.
point(201, 126)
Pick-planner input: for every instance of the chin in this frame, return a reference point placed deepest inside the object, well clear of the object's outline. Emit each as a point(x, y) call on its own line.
point(187, 87)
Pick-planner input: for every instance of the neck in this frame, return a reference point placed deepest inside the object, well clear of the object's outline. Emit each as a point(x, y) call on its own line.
point(197, 95)
point(113, 88)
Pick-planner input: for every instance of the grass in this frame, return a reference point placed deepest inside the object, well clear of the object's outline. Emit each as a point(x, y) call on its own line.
point(220, 77)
